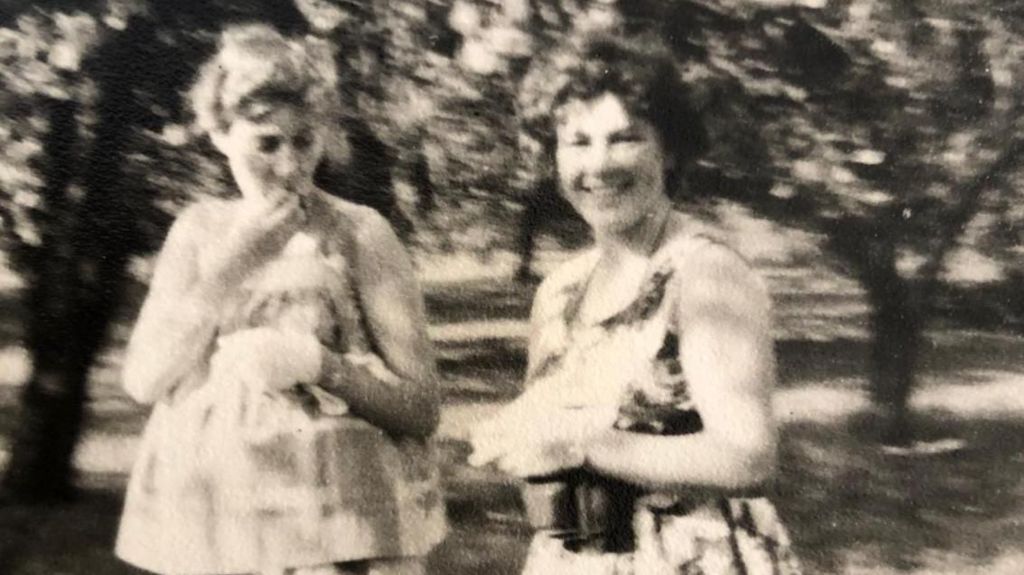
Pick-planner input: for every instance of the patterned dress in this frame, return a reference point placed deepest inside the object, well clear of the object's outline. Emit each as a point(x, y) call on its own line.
point(634, 356)
point(231, 478)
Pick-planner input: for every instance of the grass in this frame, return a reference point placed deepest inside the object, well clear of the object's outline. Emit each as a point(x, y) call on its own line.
point(851, 507)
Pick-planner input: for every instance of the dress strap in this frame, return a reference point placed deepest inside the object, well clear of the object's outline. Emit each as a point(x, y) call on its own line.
point(336, 232)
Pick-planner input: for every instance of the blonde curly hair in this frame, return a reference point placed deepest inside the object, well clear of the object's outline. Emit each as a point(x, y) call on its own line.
point(256, 64)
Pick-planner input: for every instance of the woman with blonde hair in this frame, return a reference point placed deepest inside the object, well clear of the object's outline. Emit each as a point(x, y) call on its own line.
point(284, 348)
point(645, 433)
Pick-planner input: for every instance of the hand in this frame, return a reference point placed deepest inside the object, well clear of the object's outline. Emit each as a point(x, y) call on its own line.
point(260, 230)
point(510, 427)
point(528, 440)
point(542, 460)
point(269, 358)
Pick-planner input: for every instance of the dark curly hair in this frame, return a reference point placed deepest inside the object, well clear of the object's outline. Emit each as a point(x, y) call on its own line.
point(638, 69)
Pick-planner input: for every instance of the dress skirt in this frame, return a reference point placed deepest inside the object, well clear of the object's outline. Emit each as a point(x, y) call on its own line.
point(210, 494)
point(714, 537)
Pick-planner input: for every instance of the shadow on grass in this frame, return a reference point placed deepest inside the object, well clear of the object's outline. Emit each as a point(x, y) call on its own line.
point(71, 538)
point(495, 367)
point(127, 421)
point(844, 497)
point(955, 357)
point(11, 311)
point(840, 495)
point(479, 301)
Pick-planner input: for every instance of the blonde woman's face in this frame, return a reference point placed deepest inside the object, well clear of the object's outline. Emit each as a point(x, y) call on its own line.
point(610, 163)
point(274, 150)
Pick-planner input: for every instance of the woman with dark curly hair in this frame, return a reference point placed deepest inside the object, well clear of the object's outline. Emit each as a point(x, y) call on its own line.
point(283, 345)
point(646, 433)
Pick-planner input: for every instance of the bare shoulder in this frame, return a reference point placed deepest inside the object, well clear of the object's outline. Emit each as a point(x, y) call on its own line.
point(367, 228)
point(711, 270)
point(702, 248)
point(201, 219)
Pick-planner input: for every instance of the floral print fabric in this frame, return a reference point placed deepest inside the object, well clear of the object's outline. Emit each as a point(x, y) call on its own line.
point(232, 479)
point(633, 358)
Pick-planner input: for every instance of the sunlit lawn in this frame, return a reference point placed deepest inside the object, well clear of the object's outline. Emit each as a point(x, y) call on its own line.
point(851, 507)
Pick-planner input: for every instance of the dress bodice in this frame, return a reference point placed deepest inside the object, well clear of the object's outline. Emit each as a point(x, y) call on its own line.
point(632, 361)
point(233, 478)
point(305, 289)
point(630, 358)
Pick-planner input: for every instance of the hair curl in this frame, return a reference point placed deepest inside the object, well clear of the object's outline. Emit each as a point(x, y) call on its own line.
point(638, 69)
point(257, 64)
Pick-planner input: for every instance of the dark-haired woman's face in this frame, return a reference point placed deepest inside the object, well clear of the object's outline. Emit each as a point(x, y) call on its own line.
point(610, 163)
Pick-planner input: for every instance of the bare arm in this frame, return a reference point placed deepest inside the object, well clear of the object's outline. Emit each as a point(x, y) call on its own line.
point(728, 360)
point(402, 397)
point(176, 325)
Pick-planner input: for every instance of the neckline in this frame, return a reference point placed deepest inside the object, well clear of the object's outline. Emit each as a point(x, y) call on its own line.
point(578, 289)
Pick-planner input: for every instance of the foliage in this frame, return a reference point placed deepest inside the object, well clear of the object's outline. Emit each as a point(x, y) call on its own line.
point(42, 60)
point(889, 128)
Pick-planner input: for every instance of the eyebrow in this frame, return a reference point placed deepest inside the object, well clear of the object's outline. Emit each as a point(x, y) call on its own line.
point(629, 128)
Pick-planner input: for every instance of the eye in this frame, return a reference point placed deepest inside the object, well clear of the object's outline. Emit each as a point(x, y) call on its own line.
point(303, 140)
point(268, 144)
point(627, 137)
point(579, 140)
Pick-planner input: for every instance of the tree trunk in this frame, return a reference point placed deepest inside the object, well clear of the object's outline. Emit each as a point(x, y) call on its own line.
point(896, 333)
point(51, 408)
point(895, 327)
point(77, 276)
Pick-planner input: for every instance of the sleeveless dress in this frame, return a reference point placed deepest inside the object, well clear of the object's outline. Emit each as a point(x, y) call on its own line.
point(671, 534)
point(231, 478)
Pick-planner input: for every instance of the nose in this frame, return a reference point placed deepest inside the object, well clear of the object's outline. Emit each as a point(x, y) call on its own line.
point(595, 159)
point(287, 163)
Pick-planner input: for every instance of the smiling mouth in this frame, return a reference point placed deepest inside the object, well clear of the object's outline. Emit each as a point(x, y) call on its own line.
point(606, 192)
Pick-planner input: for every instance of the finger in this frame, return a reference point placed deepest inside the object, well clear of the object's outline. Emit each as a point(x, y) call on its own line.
point(476, 459)
point(495, 437)
point(538, 462)
point(285, 215)
point(485, 429)
point(485, 452)
point(290, 203)
point(216, 367)
point(253, 377)
point(259, 336)
point(522, 464)
point(233, 347)
point(274, 197)
point(232, 364)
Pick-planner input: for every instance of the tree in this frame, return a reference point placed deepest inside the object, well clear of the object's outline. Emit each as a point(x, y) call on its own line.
point(881, 126)
point(42, 214)
point(92, 182)
point(885, 127)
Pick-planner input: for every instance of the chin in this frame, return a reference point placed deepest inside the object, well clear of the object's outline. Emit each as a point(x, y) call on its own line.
point(609, 220)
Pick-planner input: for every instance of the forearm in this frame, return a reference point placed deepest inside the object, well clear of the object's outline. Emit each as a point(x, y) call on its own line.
point(688, 462)
point(170, 339)
point(396, 404)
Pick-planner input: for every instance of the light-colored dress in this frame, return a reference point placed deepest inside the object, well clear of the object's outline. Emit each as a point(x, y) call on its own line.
point(231, 478)
point(633, 357)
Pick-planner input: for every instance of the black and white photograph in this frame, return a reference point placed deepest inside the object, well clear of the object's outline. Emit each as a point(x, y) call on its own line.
point(503, 287)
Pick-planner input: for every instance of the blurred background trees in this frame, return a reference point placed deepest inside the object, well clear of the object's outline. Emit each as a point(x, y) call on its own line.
point(893, 130)
point(93, 173)
point(889, 130)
